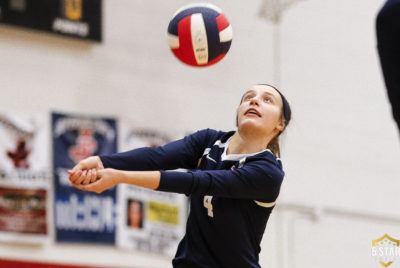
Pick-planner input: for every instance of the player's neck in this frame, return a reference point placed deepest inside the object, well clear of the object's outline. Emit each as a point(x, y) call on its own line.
point(246, 144)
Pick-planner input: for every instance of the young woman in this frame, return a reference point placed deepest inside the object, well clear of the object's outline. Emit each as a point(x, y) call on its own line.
point(233, 182)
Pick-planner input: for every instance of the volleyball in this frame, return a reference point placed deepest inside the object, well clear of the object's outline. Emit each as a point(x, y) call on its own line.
point(199, 34)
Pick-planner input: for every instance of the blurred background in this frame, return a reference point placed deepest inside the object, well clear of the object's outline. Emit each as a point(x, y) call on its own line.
point(340, 152)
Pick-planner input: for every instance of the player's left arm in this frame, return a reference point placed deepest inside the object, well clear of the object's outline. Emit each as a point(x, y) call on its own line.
point(257, 180)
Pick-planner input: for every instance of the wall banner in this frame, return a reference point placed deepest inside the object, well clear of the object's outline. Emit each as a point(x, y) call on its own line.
point(82, 216)
point(73, 18)
point(24, 179)
point(148, 220)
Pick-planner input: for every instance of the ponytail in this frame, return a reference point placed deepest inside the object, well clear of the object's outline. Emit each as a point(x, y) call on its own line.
point(273, 145)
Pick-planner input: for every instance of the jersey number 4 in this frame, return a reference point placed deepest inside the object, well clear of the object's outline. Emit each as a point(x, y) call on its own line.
point(208, 205)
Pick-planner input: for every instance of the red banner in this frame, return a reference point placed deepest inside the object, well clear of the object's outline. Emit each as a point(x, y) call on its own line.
point(29, 264)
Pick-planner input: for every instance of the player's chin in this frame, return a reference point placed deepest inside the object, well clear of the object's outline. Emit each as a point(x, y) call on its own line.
point(251, 124)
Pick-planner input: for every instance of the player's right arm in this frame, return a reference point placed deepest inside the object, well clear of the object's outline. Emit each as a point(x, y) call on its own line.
point(183, 153)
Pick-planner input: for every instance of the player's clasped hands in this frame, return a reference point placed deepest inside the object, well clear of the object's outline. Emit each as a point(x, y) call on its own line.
point(90, 175)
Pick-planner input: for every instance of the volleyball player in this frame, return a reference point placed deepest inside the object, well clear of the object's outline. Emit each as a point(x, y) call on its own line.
point(388, 35)
point(233, 181)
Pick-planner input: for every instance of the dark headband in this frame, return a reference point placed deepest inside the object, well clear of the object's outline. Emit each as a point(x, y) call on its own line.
point(287, 113)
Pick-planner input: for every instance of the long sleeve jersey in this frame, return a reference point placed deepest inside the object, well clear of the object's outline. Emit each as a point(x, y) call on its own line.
point(388, 37)
point(231, 195)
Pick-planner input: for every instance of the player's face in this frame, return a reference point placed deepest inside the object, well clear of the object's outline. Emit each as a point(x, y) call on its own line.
point(261, 110)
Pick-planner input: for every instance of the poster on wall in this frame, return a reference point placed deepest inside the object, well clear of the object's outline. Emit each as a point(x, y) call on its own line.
point(24, 178)
point(148, 220)
point(82, 216)
point(73, 18)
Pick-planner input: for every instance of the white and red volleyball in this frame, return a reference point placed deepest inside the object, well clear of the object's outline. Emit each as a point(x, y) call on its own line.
point(199, 34)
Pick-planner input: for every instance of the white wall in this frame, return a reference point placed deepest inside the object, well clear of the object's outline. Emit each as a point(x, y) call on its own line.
point(341, 150)
point(343, 122)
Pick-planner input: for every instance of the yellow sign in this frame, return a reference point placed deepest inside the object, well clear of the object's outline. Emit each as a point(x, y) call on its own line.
point(73, 9)
point(386, 248)
point(162, 212)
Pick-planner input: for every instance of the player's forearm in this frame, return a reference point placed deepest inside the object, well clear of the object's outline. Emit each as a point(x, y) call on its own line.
point(147, 179)
point(182, 153)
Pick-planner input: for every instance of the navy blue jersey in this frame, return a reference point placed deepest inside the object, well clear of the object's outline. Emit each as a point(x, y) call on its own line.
point(231, 195)
point(388, 37)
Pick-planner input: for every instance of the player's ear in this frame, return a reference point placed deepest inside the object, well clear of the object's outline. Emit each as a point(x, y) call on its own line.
point(281, 125)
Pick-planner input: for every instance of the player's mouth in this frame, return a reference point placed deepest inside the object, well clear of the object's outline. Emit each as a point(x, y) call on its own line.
point(252, 112)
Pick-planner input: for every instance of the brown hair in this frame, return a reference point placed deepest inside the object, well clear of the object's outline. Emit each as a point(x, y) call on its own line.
point(273, 145)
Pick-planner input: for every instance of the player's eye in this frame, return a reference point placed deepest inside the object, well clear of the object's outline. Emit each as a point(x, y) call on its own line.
point(248, 97)
point(267, 99)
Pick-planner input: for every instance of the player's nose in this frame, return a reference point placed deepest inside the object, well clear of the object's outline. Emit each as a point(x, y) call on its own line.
point(254, 101)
